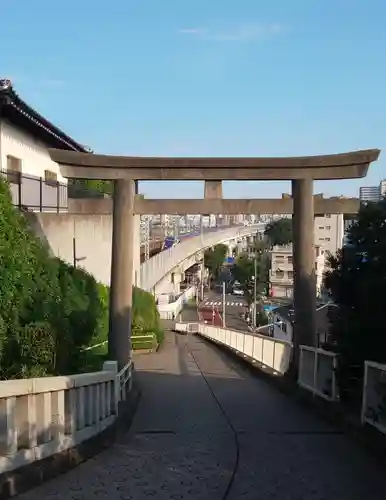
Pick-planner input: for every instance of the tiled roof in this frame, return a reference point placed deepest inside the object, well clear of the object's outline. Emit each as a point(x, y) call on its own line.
point(18, 112)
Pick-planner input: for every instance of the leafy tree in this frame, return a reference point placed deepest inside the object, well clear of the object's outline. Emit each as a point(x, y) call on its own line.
point(357, 282)
point(92, 187)
point(49, 310)
point(214, 259)
point(244, 272)
point(279, 232)
point(243, 269)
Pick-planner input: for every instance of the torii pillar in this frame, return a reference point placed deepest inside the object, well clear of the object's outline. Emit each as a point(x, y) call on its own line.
point(304, 262)
point(122, 256)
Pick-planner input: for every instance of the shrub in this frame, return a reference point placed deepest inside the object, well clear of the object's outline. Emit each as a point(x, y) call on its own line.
point(145, 313)
point(49, 310)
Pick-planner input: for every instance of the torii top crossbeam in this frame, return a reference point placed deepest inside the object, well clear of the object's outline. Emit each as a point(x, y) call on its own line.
point(105, 167)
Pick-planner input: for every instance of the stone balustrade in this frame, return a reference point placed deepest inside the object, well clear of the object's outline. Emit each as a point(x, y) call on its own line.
point(40, 417)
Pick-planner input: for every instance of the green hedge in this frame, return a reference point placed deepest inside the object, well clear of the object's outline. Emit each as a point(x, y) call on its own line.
point(148, 341)
point(49, 310)
point(146, 319)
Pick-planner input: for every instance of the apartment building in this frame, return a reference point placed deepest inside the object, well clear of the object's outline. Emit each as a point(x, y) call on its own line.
point(329, 231)
point(372, 193)
point(281, 275)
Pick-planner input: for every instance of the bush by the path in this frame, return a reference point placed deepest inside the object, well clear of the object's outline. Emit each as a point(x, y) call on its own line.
point(49, 310)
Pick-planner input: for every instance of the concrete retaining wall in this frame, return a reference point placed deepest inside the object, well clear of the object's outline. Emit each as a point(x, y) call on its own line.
point(93, 234)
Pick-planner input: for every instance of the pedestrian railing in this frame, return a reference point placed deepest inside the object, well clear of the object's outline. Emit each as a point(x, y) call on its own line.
point(170, 310)
point(317, 370)
point(187, 327)
point(268, 352)
point(40, 417)
point(125, 381)
point(374, 396)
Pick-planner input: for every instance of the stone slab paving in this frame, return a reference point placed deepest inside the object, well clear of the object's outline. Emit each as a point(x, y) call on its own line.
point(181, 446)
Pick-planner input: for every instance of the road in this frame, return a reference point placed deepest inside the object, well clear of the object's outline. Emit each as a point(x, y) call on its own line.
point(234, 308)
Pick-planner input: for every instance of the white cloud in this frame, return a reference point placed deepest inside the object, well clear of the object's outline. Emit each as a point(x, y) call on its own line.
point(191, 31)
point(244, 33)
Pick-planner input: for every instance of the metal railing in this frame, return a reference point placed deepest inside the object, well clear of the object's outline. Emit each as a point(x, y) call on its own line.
point(36, 193)
point(317, 370)
point(374, 396)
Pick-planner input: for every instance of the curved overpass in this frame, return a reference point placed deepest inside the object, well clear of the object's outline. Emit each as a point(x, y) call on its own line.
point(182, 256)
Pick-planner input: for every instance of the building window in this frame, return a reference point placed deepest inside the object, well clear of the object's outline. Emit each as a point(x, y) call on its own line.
point(279, 258)
point(321, 227)
point(289, 259)
point(280, 274)
point(290, 275)
point(321, 239)
point(50, 178)
point(328, 228)
point(328, 239)
point(13, 169)
point(328, 216)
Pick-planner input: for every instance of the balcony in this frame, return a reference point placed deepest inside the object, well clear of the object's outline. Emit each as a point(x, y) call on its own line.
point(282, 279)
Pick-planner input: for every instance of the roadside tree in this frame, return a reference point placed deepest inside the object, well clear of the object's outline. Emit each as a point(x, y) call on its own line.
point(279, 232)
point(357, 282)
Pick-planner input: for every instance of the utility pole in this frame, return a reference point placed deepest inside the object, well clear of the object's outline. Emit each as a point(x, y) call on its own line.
point(223, 303)
point(203, 258)
point(254, 294)
point(74, 259)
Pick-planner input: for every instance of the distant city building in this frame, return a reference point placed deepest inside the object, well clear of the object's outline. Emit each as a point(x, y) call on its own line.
point(372, 193)
point(329, 232)
point(281, 275)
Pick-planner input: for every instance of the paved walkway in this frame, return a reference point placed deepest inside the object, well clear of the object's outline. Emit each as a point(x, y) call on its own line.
point(203, 424)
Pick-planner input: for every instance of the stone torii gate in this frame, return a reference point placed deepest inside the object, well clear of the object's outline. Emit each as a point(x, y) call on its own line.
point(302, 171)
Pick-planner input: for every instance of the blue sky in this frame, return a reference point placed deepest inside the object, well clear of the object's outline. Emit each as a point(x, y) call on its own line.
point(206, 77)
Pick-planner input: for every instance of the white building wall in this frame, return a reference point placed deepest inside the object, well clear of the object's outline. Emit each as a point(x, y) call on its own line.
point(329, 232)
point(32, 152)
point(382, 188)
point(31, 159)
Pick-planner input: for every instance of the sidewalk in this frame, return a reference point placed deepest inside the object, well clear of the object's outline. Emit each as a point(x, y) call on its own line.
point(182, 443)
